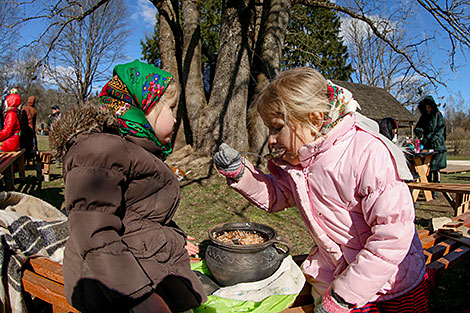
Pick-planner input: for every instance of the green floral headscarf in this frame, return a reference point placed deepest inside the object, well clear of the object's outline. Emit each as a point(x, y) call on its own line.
point(132, 92)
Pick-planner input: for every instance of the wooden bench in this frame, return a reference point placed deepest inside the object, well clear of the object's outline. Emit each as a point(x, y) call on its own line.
point(441, 252)
point(460, 203)
point(45, 157)
point(455, 170)
point(42, 277)
point(9, 161)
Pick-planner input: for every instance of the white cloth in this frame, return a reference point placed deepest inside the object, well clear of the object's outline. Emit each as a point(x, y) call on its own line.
point(398, 154)
point(287, 280)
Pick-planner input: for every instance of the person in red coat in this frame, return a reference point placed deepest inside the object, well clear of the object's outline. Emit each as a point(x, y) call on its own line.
point(10, 134)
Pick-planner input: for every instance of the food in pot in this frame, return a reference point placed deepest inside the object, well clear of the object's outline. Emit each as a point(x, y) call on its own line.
point(239, 237)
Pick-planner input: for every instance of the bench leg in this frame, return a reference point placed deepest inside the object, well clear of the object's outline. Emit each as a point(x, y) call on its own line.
point(59, 309)
point(46, 170)
point(461, 203)
point(46, 166)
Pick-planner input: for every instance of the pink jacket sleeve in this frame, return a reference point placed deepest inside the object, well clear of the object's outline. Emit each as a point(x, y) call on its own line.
point(269, 192)
point(388, 210)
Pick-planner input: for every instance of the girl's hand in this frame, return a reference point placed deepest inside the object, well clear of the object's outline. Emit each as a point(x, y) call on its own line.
point(332, 303)
point(229, 162)
point(191, 247)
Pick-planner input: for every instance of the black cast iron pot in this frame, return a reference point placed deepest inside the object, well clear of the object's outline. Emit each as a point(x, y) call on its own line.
point(231, 264)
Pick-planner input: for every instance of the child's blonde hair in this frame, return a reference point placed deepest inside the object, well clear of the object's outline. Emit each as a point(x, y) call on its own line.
point(170, 95)
point(293, 94)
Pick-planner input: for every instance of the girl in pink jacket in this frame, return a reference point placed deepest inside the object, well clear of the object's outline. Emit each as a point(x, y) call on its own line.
point(347, 182)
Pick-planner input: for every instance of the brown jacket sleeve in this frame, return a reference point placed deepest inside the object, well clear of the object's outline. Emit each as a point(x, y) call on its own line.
point(94, 193)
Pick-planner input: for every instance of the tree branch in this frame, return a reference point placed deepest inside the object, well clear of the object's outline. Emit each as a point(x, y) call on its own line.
point(375, 30)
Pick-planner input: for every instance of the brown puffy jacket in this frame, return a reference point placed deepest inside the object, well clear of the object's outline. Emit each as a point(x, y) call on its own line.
point(120, 198)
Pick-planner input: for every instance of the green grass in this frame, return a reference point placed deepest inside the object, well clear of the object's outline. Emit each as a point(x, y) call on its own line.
point(458, 157)
point(206, 201)
point(51, 191)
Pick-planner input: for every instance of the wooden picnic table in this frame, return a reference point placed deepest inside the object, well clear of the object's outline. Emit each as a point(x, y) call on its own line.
point(9, 161)
point(421, 164)
point(460, 202)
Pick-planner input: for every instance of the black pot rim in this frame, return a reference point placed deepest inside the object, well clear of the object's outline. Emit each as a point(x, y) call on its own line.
point(264, 230)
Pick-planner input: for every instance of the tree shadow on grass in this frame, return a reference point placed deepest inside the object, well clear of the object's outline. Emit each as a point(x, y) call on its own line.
point(188, 181)
point(33, 186)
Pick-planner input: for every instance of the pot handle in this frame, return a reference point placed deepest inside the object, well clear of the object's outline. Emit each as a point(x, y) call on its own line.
point(285, 242)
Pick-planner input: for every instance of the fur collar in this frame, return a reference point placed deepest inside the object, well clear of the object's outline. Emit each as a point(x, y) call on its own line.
point(90, 118)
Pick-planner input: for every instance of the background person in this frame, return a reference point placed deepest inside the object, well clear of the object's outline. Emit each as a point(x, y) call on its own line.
point(55, 114)
point(431, 130)
point(28, 136)
point(389, 128)
point(10, 134)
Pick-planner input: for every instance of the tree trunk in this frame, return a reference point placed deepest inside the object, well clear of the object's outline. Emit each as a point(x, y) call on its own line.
point(192, 69)
point(266, 63)
point(167, 40)
point(170, 45)
point(224, 120)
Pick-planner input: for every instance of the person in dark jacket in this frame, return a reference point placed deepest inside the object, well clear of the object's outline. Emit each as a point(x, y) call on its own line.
point(389, 128)
point(55, 115)
point(431, 131)
point(28, 139)
point(125, 251)
point(10, 133)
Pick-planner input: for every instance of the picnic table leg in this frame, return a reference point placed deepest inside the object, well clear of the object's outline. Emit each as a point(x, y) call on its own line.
point(461, 203)
point(423, 171)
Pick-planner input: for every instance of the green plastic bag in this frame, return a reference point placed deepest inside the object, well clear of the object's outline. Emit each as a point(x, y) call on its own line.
point(214, 304)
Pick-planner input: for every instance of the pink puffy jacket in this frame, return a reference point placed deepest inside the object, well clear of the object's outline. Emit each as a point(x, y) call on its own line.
point(356, 207)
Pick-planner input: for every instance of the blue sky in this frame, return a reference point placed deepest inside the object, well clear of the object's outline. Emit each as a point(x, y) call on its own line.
point(142, 19)
point(142, 15)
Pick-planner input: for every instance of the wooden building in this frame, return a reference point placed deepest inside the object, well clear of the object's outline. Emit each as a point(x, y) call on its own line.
point(376, 103)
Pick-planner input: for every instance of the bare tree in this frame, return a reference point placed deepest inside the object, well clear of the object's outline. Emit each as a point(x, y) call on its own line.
point(376, 64)
point(85, 50)
point(8, 39)
point(453, 17)
point(274, 19)
point(224, 118)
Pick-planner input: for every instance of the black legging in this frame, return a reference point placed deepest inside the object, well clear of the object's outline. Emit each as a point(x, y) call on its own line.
point(177, 293)
point(434, 177)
